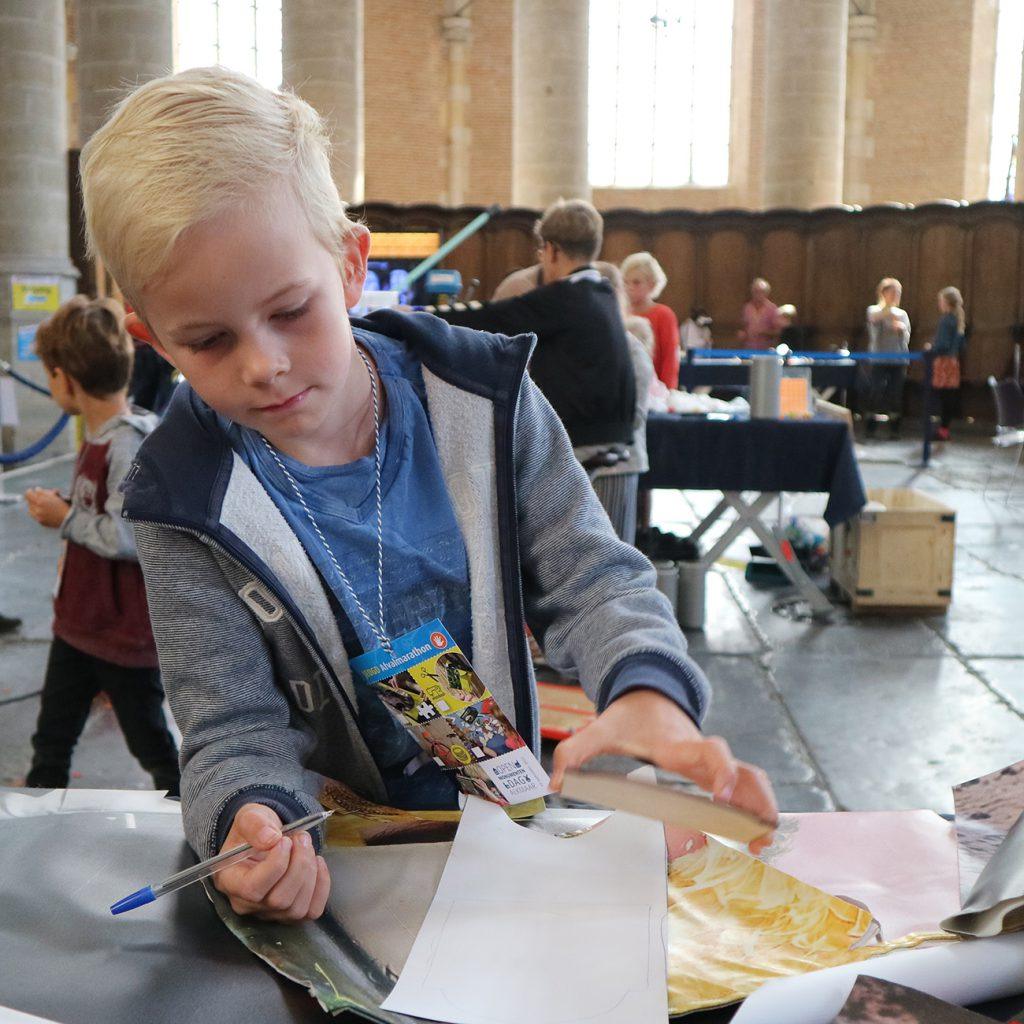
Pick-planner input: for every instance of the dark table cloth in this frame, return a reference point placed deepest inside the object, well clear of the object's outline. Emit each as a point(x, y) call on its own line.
point(699, 454)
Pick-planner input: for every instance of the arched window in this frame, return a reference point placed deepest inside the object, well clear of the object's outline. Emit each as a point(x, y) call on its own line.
point(660, 81)
point(1006, 104)
point(244, 35)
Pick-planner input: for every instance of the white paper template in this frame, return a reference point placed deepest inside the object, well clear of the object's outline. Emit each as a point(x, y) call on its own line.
point(530, 927)
point(961, 973)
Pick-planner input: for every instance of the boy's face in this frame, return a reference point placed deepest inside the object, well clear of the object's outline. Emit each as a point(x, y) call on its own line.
point(252, 310)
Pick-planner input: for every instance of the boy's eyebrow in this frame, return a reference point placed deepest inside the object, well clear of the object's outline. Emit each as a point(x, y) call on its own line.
point(193, 325)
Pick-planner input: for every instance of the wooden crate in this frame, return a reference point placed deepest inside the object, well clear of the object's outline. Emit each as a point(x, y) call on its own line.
point(899, 555)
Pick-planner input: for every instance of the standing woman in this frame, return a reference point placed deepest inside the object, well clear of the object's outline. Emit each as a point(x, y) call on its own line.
point(888, 331)
point(645, 281)
point(947, 346)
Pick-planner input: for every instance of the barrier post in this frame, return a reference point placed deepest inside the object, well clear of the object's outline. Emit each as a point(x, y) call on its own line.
point(927, 398)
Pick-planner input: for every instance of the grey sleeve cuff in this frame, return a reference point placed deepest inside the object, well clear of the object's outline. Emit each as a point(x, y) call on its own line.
point(683, 683)
point(288, 806)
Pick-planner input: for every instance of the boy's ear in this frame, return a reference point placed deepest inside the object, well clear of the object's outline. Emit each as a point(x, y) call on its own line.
point(355, 252)
point(139, 329)
point(136, 328)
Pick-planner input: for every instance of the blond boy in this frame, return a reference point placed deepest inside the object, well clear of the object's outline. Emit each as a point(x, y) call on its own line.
point(322, 483)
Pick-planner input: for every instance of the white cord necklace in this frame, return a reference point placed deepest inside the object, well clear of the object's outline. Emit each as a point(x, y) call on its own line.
point(377, 628)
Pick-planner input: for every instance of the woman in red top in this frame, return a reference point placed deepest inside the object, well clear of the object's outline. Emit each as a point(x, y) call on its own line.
point(645, 280)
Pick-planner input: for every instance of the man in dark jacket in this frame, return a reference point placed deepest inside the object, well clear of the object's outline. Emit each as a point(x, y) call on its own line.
point(582, 362)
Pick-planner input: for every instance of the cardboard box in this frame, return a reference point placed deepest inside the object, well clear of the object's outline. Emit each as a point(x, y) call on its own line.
point(897, 553)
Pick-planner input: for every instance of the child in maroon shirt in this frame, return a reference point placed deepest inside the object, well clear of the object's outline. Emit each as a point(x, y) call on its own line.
point(102, 637)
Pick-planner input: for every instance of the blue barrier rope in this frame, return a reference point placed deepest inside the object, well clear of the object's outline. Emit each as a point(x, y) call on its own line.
point(34, 449)
point(6, 368)
point(857, 357)
point(48, 438)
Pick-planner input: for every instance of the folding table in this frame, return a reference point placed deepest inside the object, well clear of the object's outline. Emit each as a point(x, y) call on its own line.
point(767, 457)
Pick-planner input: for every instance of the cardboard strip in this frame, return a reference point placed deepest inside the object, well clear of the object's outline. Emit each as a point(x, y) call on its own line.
point(671, 806)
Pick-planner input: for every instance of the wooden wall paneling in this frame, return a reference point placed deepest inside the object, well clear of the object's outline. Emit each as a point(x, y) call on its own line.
point(622, 240)
point(727, 278)
point(469, 258)
point(994, 293)
point(939, 264)
point(827, 262)
point(675, 249)
point(702, 273)
point(782, 264)
point(833, 268)
point(889, 252)
point(510, 245)
point(507, 248)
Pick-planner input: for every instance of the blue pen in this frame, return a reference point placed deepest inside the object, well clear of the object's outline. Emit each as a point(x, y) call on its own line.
point(207, 867)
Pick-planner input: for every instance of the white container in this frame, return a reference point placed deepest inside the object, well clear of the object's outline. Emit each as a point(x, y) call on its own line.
point(668, 582)
point(765, 381)
point(690, 600)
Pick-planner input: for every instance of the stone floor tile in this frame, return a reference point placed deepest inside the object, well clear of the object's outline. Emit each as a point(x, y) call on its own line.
point(101, 759)
point(892, 734)
point(22, 667)
point(1006, 677)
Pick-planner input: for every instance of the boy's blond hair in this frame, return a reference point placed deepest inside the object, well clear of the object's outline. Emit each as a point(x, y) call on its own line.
point(644, 263)
point(86, 339)
point(185, 147)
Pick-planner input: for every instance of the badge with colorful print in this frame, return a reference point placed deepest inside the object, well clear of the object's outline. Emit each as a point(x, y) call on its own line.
point(430, 687)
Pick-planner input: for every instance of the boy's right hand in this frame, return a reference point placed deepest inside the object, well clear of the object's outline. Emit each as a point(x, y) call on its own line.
point(284, 881)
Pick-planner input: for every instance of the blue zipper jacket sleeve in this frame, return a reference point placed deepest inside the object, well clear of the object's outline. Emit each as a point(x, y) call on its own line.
point(592, 603)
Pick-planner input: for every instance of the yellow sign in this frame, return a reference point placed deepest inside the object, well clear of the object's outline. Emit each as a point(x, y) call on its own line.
point(35, 294)
point(403, 245)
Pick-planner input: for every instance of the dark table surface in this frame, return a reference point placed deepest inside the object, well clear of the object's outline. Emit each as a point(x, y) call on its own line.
point(699, 454)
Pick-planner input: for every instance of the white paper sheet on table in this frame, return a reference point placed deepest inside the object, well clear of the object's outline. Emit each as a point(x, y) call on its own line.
point(961, 973)
point(530, 927)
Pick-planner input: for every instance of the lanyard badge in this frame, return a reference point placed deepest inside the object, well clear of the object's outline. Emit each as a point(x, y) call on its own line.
point(430, 687)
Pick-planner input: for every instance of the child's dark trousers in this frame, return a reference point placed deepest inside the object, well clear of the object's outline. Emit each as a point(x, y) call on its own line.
point(73, 679)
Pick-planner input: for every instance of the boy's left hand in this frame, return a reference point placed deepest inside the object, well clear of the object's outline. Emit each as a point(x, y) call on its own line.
point(46, 506)
point(648, 726)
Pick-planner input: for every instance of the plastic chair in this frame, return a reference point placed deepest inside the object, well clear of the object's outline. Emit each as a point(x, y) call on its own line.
point(1009, 402)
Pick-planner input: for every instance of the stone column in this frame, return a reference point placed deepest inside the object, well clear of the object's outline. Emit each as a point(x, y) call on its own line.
point(549, 142)
point(322, 60)
point(805, 86)
point(121, 43)
point(455, 27)
point(35, 268)
point(860, 111)
point(1018, 185)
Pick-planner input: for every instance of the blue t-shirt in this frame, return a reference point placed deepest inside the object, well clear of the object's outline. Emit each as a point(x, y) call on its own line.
point(426, 572)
